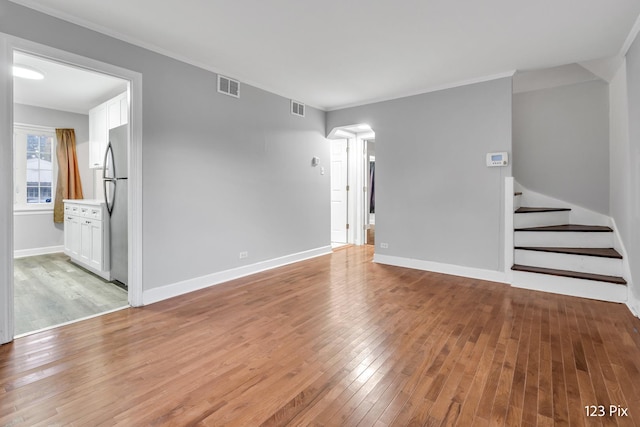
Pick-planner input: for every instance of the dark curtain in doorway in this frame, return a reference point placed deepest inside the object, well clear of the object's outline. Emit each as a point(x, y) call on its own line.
point(372, 189)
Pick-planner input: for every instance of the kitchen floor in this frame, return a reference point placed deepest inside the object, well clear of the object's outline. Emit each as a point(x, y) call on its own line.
point(49, 290)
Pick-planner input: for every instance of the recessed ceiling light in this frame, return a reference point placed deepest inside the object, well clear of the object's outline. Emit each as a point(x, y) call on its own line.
point(26, 72)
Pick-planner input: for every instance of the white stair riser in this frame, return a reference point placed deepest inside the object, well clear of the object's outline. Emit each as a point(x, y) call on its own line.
point(570, 239)
point(570, 286)
point(540, 219)
point(581, 263)
point(517, 201)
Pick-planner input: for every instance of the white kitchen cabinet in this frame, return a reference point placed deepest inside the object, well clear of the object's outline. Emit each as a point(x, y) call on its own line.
point(124, 109)
point(118, 111)
point(71, 232)
point(102, 118)
point(98, 135)
point(91, 242)
point(86, 235)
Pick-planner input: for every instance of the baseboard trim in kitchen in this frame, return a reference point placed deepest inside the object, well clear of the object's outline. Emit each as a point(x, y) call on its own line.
point(23, 253)
point(180, 288)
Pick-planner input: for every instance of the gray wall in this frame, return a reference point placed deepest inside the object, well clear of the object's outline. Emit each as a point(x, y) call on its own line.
point(561, 143)
point(435, 198)
point(630, 206)
point(220, 175)
point(37, 230)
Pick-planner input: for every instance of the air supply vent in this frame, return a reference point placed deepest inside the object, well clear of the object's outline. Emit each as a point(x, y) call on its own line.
point(297, 108)
point(228, 86)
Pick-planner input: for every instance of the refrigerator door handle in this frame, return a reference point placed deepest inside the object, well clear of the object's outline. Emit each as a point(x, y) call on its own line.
point(108, 155)
point(109, 165)
point(108, 202)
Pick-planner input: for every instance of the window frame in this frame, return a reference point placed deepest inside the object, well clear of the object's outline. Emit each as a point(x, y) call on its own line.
point(26, 129)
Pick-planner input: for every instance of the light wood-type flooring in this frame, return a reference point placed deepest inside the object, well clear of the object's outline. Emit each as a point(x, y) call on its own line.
point(50, 290)
point(336, 340)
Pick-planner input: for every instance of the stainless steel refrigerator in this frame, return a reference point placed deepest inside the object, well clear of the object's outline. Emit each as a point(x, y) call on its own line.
point(114, 181)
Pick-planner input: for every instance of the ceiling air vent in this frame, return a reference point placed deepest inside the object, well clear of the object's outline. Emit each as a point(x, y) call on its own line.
point(228, 86)
point(297, 108)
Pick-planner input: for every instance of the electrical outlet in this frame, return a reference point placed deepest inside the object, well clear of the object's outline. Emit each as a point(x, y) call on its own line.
point(244, 254)
point(384, 245)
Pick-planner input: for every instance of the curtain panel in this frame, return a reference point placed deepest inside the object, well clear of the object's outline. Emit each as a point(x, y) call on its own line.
point(68, 185)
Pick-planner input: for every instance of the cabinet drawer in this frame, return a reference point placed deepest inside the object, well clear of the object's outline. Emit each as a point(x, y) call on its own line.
point(91, 222)
point(94, 213)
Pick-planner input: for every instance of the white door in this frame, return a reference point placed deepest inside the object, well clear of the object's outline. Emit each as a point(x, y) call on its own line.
point(339, 182)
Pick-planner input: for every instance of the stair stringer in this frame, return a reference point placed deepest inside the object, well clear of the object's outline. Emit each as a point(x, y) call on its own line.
point(632, 302)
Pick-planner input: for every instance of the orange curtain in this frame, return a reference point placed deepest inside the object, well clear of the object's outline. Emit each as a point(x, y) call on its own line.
point(68, 185)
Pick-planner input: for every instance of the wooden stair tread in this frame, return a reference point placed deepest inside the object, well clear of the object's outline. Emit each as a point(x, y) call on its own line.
point(596, 252)
point(573, 274)
point(518, 193)
point(536, 210)
point(569, 227)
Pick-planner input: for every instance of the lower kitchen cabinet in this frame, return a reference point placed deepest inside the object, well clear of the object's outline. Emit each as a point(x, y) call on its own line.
point(86, 235)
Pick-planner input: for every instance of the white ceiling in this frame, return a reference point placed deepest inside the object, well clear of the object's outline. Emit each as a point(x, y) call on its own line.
point(63, 88)
point(337, 53)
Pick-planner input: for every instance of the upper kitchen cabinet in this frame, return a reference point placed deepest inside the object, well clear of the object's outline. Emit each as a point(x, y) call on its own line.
point(98, 135)
point(108, 115)
point(118, 111)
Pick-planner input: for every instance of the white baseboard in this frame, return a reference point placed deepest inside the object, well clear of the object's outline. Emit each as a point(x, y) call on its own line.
point(634, 304)
point(180, 288)
point(454, 270)
point(23, 253)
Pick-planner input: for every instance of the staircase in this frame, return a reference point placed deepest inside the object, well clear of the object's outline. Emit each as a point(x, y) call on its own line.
point(553, 255)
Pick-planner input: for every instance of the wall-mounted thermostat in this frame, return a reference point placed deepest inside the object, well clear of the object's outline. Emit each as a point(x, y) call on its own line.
point(497, 159)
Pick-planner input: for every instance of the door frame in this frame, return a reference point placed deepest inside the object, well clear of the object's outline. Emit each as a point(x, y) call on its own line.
point(9, 44)
point(347, 191)
point(358, 170)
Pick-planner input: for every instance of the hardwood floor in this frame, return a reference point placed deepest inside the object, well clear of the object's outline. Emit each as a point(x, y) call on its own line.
point(50, 290)
point(337, 340)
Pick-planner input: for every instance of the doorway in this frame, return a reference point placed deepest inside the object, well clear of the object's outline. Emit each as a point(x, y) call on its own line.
point(53, 111)
point(11, 45)
point(349, 151)
point(370, 208)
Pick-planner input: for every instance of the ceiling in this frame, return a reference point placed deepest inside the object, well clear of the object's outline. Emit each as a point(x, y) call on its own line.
point(336, 53)
point(63, 88)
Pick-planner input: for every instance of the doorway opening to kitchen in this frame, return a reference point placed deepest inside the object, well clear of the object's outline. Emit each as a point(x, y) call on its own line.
point(67, 244)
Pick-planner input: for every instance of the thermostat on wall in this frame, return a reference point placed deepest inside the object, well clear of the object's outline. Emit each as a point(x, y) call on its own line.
point(497, 159)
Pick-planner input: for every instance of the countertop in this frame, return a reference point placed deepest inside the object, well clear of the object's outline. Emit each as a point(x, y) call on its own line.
point(91, 202)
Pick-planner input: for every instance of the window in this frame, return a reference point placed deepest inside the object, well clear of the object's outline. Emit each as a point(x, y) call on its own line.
point(34, 167)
